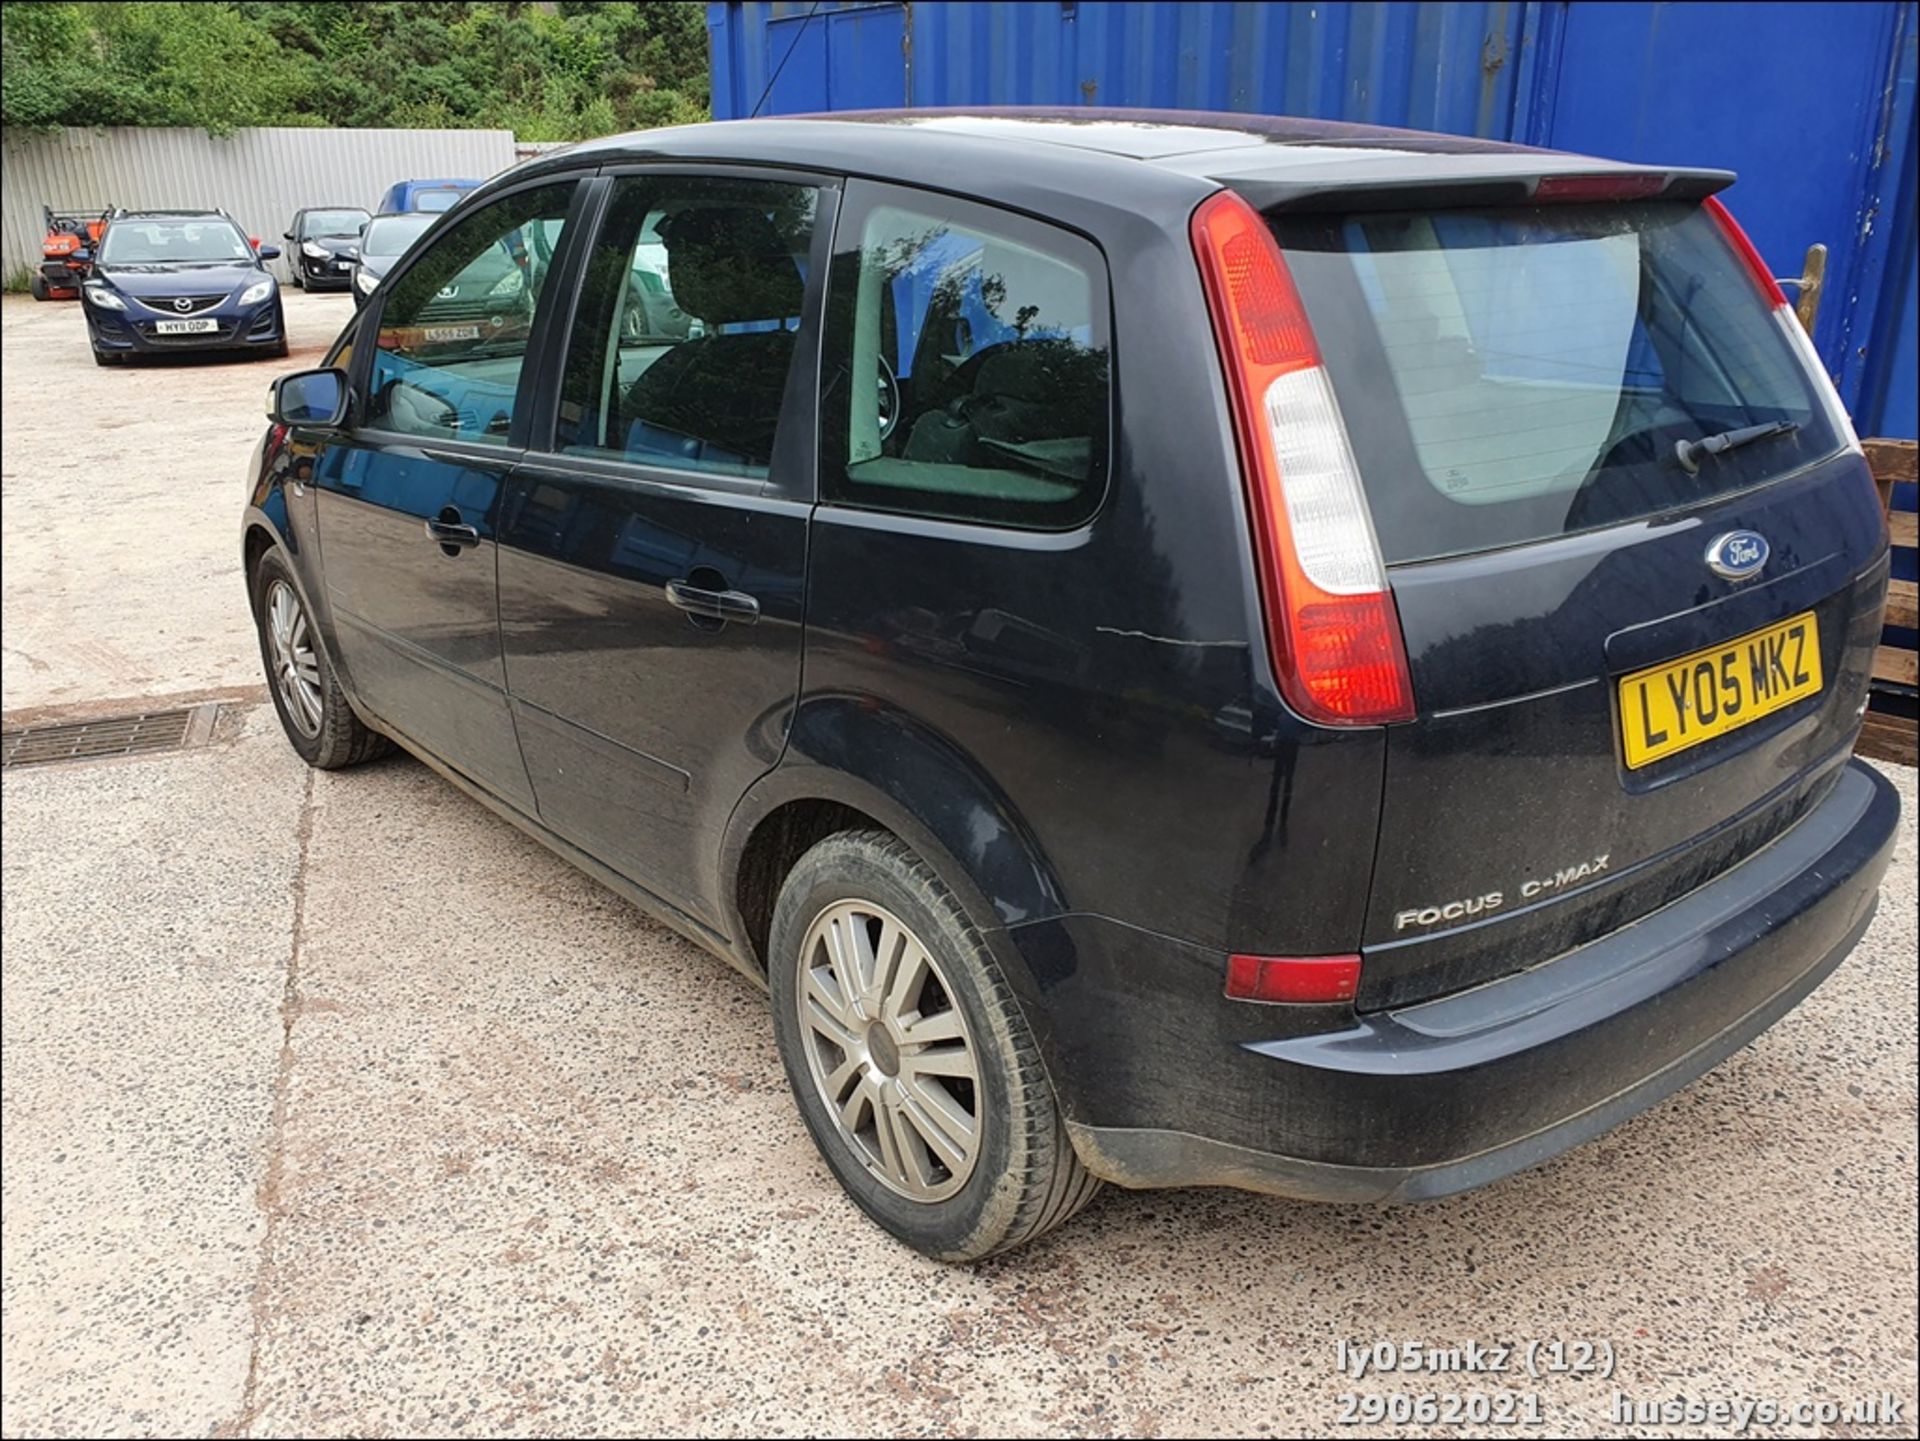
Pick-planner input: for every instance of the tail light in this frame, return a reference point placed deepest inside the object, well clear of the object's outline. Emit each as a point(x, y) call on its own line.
point(1332, 627)
point(1785, 319)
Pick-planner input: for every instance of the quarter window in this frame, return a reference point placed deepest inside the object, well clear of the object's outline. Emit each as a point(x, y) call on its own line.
point(453, 334)
point(966, 364)
point(687, 323)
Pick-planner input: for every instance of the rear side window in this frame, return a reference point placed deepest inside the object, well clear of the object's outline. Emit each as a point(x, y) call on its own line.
point(965, 372)
point(1511, 375)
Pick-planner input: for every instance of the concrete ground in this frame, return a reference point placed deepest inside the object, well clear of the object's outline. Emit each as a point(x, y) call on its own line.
point(333, 1106)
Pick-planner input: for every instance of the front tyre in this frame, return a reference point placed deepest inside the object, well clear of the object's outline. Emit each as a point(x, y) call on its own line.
point(306, 692)
point(912, 1065)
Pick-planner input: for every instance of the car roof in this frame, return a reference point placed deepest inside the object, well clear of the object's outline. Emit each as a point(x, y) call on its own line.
point(1093, 153)
point(171, 215)
point(1160, 135)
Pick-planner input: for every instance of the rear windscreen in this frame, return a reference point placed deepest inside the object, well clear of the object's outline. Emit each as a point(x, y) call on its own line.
point(1510, 375)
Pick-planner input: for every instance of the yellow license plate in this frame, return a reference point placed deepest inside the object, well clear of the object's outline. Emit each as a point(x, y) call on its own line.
point(1667, 708)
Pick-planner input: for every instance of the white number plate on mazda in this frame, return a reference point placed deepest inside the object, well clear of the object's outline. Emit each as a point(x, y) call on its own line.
point(185, 327)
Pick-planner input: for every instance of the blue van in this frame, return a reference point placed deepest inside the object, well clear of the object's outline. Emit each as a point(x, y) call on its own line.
point(428, 195)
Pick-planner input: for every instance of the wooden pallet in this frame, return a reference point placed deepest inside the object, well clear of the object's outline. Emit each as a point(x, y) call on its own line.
point(1894, 461)
point(1896, 669)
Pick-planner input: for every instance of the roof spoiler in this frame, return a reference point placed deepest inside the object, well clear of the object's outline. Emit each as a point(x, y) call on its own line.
point(1365, 187)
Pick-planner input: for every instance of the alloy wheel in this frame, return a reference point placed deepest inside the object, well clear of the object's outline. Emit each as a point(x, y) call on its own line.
point(295, 663)
point(889, 1050)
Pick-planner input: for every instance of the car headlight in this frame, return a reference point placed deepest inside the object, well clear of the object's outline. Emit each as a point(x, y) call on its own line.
point(364, 280)
point(104, 298)
point(509, 284)
point(256, 292)
point(317, 252)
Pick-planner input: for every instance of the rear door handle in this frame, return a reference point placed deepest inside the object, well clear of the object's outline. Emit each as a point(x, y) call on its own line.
point(713, 604)
point(454, 535)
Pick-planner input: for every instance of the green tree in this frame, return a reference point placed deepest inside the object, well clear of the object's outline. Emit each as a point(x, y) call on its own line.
point(559, 73)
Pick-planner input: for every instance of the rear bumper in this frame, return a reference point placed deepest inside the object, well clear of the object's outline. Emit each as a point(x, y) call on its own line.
point(1454, 1093)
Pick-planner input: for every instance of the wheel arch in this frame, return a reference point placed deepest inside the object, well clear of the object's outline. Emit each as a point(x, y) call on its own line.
point(851, 764)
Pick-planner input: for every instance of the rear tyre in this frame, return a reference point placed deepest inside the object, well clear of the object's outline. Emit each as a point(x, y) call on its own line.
point(912, 1065)
point(37, 286)
point(306, 692)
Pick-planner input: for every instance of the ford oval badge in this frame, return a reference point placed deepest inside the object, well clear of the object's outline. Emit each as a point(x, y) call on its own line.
point(1738, 555)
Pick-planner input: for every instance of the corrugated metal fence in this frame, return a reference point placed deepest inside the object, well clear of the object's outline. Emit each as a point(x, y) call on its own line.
point(259, 176)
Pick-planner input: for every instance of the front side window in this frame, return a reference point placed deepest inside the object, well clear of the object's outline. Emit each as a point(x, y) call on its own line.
point(454, 332)
point(137, 241)
point(687, 323)
point(965, 373)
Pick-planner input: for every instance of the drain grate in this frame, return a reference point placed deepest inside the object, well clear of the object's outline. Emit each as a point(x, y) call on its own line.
point(108, 736)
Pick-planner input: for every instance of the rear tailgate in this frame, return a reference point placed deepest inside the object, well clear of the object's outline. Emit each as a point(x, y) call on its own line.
point(1605, 720)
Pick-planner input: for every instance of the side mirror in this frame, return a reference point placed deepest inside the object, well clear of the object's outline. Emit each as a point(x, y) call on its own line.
point(312, 399)
point(286, 235)
point(269, 252)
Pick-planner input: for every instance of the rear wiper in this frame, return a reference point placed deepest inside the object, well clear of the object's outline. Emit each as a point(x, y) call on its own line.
point(1688, 452)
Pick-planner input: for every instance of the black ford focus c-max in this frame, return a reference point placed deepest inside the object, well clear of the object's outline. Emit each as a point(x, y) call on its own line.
point(1180, 649)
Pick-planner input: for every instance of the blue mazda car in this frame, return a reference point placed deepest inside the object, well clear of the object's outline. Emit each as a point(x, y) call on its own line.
point(181, 280)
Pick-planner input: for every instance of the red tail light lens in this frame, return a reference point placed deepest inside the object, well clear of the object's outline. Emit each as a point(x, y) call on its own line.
point(1332, 628)
point(1757, 267)
point(1293, 980)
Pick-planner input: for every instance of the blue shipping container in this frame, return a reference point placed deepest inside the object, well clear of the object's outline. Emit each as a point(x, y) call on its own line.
point(1813, 104)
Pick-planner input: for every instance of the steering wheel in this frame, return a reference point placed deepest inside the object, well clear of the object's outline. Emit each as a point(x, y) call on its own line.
point(889, 398)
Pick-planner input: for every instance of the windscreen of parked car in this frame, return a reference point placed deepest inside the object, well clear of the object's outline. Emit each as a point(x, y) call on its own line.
point(390, 235)
point(160, 242)
point(332, 224)
point(1510, 375)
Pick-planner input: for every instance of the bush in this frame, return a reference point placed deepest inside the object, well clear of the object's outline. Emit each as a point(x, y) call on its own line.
point(565, 74)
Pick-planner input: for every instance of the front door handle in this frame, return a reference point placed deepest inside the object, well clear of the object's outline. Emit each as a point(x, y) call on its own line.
point(450, 533)
point(720, 605)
